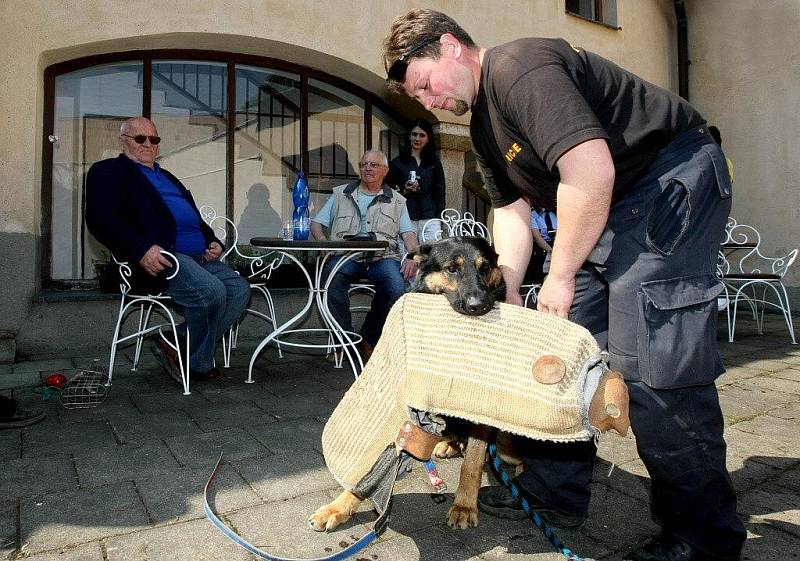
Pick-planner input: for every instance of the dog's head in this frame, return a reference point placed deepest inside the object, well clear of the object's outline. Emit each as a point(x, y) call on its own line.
point(465, 270)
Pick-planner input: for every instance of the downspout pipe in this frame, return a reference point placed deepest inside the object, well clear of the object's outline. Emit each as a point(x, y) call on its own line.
point(683, 50)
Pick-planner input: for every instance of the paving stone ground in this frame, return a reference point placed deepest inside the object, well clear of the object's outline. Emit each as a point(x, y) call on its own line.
point(123, 481)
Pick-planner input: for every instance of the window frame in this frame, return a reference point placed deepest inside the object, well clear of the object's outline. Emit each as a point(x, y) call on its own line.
point(147, 57)
point(599, 9)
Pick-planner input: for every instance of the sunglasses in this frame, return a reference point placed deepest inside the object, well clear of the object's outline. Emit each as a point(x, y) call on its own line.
point(397, 71)
point(140, 138)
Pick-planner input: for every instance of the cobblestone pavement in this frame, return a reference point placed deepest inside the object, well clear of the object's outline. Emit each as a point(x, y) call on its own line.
point(123, 481)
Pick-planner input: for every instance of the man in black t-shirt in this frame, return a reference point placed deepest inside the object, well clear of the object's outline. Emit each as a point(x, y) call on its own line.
point(642, 197)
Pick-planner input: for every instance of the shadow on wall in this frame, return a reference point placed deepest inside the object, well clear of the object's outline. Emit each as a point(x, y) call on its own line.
point(258, 218)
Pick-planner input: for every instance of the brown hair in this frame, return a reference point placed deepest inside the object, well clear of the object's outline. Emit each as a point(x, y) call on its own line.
point(419, 26)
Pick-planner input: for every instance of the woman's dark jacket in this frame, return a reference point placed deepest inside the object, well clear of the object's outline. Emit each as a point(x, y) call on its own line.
point(127, 215)
point(428, 201)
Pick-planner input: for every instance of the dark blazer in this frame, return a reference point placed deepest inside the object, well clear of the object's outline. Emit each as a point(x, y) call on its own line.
point(127, 215)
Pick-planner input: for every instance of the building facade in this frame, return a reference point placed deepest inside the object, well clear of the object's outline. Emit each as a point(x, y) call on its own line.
point(247, 93)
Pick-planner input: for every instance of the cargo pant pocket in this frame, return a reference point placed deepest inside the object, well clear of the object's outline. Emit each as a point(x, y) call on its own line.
point(677, 332)
point(668, 220)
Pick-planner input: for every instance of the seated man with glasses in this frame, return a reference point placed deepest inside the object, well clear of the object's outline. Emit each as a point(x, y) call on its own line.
point(136, 209)
point(368, 208)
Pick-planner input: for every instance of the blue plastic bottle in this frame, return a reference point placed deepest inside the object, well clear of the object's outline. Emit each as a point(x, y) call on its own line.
point(300, 217)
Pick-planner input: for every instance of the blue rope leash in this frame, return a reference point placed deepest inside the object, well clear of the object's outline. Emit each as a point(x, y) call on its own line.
point(548, 532)
point(377, 530)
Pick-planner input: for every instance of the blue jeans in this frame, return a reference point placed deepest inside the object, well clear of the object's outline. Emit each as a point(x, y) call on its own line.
point(384, 274)
point(213, 297)
point(648, 293)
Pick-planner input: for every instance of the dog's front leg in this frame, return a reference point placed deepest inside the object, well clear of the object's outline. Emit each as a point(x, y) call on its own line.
point(328, 517)
point(464, 512)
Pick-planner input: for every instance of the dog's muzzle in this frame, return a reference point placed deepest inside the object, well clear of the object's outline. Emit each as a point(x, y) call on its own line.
point(476, 304)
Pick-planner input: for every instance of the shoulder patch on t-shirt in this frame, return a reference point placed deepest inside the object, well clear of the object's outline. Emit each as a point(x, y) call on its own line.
point(512, 152)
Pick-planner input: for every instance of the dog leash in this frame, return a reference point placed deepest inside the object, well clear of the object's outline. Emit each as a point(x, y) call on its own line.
point(378, 528)
point(383, 520)
point(548, 532)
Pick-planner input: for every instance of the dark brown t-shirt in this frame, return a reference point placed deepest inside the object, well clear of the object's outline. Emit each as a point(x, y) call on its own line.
point(539, 98)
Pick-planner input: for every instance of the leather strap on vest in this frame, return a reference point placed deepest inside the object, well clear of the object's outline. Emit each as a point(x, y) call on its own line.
point(415, 441)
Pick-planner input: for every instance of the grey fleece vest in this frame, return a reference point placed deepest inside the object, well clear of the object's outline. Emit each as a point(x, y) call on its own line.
point(383, 216)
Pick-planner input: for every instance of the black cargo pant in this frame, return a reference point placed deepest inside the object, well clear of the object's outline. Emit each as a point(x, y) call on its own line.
point(648, 294)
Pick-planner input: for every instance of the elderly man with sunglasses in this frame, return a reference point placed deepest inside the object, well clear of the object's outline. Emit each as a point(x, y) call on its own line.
point(136, 209)
point(643, 195)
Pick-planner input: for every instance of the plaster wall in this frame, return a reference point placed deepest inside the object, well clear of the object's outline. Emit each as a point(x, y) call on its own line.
point(342, 38)
point(745, 78)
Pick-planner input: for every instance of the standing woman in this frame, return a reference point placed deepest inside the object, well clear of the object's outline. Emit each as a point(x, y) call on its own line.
point(417, 173)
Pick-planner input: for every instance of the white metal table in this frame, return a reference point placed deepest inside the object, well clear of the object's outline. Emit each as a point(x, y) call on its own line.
point(339, 338)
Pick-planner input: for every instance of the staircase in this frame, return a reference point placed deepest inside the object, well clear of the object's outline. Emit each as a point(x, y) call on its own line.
point(200, 90)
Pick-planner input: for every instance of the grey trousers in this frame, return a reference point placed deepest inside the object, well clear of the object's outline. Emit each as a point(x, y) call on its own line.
point(648, 294)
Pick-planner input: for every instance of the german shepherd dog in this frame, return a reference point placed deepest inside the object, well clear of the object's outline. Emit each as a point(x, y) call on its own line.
point(465, 270)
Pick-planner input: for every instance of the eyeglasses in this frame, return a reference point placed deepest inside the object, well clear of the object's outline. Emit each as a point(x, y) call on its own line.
point(370, 165)
point(397, 71)
point(140, 138)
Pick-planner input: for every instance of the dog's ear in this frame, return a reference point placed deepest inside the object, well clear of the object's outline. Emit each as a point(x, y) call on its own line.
point(421, 253)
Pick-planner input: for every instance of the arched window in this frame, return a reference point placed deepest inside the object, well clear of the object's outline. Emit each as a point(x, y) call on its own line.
point(236, 130)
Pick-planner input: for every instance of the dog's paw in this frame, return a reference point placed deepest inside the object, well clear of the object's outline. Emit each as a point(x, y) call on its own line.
point(327, 517)
point(447, 449)
point(462, 517)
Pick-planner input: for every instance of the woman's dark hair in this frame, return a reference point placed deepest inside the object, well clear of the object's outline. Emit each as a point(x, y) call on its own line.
point(428, 156)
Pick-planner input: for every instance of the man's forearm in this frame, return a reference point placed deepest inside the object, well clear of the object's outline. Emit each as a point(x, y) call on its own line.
point(410, 240)
point(316, 231)
point(583, 202)
point(538, 240)
point(582, 217)
point(512, 245)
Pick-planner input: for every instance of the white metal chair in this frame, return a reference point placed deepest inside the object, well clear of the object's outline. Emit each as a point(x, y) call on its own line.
point(364, 288)
point(145, 304)
point(753, 277)
point(257, 271)
point(468, 226)
point(452, 223)
point(530, 290)
point(444, 226)
point(455, 224)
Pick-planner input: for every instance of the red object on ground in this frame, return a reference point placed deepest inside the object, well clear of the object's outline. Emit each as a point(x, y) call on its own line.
point(55, 381)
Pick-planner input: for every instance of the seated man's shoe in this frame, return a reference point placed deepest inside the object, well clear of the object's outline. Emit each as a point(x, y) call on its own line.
point(167, 357)
point(21, 418)
point(498, 501)
point(664, 549)
point(334, 357)
point(366, 350)
point(207, 376)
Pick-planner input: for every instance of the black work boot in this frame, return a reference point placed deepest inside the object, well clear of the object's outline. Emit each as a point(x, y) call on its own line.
point(668, 549)
point(498, 501)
